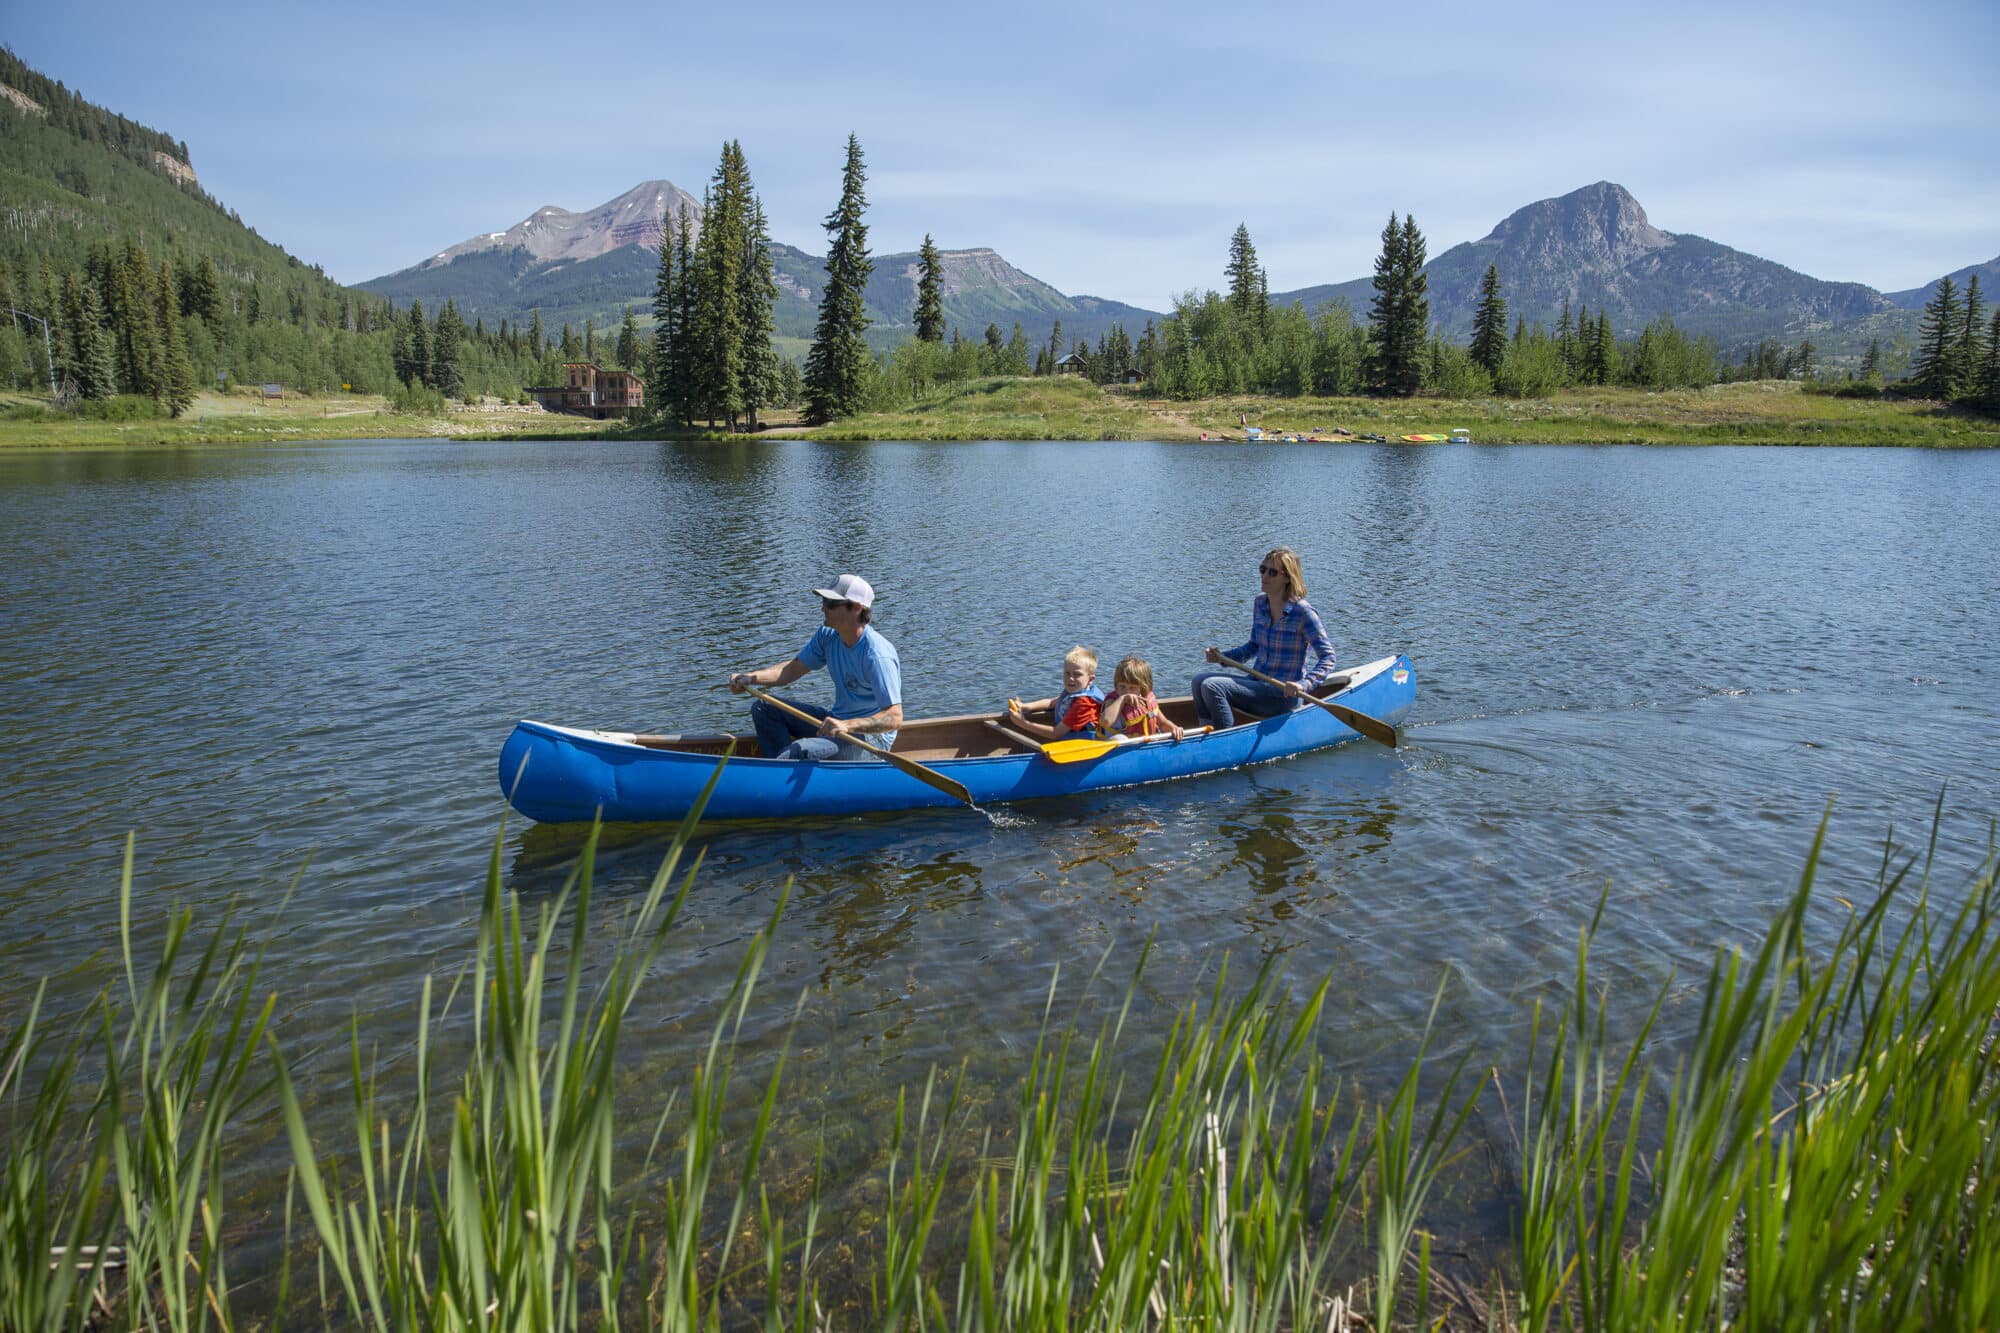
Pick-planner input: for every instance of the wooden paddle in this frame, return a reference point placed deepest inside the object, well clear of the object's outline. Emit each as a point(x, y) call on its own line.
point(930, 777)
point(1071, 751)
point(1372, 728)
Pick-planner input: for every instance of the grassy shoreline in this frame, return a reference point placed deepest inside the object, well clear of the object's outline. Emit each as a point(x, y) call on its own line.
point(1764, 412)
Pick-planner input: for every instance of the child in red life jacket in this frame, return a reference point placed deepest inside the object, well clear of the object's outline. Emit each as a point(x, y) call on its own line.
point(1132, 710)
point(1074, 711)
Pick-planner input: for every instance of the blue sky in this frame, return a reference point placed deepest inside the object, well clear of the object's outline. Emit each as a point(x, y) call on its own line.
point(1108, 150)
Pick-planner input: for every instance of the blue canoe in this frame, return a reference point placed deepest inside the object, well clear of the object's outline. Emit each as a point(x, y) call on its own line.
point(558, 774)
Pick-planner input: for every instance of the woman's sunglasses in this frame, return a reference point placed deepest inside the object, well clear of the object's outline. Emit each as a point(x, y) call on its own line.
point(1269, 572)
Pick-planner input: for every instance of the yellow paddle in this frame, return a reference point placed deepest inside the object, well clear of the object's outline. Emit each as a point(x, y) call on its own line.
point(1373, 728)
point(932, 777)
point(1069, 752)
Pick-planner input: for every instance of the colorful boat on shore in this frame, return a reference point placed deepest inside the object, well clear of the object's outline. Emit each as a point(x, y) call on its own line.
point(557, 774)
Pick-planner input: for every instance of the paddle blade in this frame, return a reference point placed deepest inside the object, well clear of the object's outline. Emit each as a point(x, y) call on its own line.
point(1373, 728)
point(1070, 752)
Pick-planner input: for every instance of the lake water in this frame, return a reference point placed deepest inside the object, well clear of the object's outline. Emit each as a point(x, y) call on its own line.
point(1652, 668)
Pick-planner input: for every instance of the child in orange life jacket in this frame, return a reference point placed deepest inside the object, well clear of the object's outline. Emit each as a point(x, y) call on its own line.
point(1074, 711)
point(1132, 710)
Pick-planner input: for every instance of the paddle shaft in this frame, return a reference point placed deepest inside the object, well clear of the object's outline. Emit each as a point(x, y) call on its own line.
point(930, 777)
point(1373, 728)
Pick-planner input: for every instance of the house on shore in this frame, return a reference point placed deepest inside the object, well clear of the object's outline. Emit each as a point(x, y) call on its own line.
point(593, 391)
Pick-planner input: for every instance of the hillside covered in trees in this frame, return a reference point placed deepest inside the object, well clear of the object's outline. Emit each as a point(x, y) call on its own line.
point(117, 266)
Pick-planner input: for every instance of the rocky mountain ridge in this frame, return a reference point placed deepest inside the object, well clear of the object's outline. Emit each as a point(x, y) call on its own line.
point(1593, 248)
point(590, 265)
point(551, 234)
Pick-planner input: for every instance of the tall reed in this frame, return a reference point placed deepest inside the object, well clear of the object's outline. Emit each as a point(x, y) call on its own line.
point(113, 1167)
point(1820, 1151)
point(1827, 1152)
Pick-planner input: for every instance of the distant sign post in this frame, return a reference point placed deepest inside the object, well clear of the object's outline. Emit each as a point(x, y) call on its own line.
point(274, 391)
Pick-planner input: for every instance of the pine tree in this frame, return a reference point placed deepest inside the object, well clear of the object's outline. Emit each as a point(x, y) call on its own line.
point(1871, 362)
point(758, 297)
point(1590, 349)
point(448, 352)
point(1966, 376)
point(1933, 375)
point(791, 384)
point(720, 259)
point(253, 310)
point(1989, 375)
point(1399, 313)
point(418, 372)
point(589, 338)
point(1489, 323)
point(628, 342)
point(687, 293)
point(1566, 343)
point(838, 364)
point(571, 348)
point(1017, 351)
point(1247, 292)
point(663, 385)
point(930, 294)
point(1055, 348)
point(92, 361)
point(538, 341)
point(399, 350)
point(206, 298)
point(131, 310)
point(173, 376)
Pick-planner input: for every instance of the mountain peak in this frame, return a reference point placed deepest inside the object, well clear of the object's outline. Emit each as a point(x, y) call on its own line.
point(1598, 224)
point(552, 233)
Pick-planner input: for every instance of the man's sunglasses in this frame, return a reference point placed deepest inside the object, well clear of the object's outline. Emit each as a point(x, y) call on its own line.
point(829, 604)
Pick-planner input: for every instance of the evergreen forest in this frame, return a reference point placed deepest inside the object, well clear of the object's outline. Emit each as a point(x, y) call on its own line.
point(140, 287)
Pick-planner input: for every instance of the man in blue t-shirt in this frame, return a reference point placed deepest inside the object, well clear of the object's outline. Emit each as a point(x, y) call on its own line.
point(867, 683)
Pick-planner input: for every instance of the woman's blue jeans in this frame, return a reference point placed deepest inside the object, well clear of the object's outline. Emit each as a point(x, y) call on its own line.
point(1218, 694)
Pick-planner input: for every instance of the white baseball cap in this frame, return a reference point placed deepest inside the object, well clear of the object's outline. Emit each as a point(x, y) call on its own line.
point(849, 588)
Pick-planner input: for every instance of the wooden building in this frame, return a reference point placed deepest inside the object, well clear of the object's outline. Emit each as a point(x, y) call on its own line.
point(1071, 364)
point(592, 391)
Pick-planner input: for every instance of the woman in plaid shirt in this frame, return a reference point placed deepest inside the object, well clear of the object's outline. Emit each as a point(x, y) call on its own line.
point(1278, 644)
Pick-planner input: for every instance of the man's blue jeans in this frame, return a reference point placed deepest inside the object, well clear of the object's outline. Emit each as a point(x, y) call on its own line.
point(782, 736)
point(1217, 695)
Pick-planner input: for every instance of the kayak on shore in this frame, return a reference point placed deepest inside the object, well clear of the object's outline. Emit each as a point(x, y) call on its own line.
point(556, 774)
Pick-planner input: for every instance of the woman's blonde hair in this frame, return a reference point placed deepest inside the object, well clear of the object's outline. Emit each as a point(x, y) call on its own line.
point(1135, 670)
point(1295, 577)
point(1081, 656)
